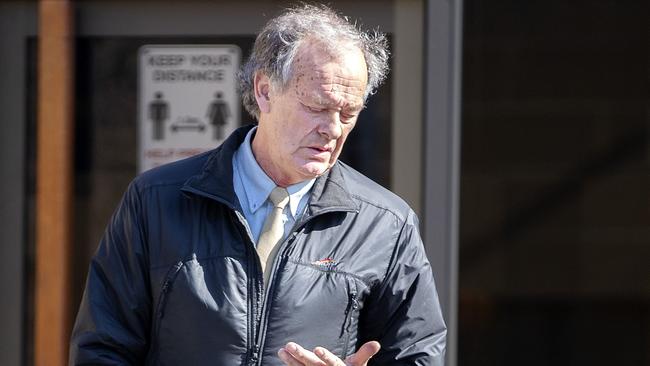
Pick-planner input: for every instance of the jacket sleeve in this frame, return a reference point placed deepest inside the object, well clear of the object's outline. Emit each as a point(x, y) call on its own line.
point(112, 326)
point(404, 313)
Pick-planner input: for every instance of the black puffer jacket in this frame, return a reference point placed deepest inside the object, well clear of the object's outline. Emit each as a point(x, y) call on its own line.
point(176, 279)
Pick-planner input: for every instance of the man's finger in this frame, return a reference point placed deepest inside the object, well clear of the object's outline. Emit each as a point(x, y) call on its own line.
point(307, 358)
point(328, 357)
point(288, 359)
point(363, 354)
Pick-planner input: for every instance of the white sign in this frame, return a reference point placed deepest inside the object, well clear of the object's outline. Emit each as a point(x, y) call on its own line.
point(188, 101)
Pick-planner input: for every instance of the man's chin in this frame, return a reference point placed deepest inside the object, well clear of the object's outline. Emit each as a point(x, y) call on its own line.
point(314, 170)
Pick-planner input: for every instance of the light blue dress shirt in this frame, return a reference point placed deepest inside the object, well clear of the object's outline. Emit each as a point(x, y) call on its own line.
point(253, 186)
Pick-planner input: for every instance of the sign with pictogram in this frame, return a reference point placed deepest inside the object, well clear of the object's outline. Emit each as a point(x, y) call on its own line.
point(187, 98)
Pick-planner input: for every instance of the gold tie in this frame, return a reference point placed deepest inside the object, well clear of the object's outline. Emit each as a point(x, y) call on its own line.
point(273, 230)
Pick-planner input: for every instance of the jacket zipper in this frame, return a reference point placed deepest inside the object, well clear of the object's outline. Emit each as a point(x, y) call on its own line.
point(160, 308)
point(353, 305)
point(269, 290)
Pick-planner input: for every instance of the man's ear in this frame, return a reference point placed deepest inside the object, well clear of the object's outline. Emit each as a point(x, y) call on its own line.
point(262, 89)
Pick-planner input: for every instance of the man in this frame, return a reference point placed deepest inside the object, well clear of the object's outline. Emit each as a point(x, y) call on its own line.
point(267, 250)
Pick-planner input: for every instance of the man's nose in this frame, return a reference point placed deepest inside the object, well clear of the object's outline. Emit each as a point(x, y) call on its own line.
point(330, 125)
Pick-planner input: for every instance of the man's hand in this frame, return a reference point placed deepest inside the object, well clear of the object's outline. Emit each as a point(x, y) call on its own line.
point(293, 354)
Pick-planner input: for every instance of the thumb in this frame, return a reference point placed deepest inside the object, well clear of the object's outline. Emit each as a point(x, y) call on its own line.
point(363, 354)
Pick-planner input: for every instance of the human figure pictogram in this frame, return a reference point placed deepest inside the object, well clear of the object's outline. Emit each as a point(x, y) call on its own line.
point(158, 114)
point(218, 114)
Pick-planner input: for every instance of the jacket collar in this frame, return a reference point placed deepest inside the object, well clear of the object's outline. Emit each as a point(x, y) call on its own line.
point(215, 181)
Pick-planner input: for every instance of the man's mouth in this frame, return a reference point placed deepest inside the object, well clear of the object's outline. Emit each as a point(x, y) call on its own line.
point(321, 149)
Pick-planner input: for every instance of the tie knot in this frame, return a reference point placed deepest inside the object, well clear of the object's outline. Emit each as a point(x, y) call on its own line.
point(279, 197)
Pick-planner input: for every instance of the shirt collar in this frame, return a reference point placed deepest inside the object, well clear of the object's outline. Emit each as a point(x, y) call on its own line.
point(258, 185)
point(296, 192)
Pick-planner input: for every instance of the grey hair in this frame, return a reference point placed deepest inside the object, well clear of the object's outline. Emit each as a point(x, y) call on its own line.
point(278, 43)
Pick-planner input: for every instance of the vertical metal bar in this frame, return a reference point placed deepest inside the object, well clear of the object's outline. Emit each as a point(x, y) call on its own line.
point(54, 186)
point(442, 154)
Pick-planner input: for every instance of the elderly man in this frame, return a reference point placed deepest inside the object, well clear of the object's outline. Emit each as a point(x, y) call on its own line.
point(267, 250)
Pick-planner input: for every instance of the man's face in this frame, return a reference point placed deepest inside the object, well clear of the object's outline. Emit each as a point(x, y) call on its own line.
point(303, 128)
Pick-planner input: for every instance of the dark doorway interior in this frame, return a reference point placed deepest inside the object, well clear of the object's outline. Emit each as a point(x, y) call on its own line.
point(555, 201)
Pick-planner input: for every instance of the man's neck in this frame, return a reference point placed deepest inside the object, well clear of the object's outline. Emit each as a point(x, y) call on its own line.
point(272, 170)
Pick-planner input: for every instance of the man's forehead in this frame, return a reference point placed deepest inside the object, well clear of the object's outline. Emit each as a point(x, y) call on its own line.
point(327, 78)
point(328, 88)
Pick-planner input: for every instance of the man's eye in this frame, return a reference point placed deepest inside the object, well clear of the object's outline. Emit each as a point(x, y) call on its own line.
point(347, 116)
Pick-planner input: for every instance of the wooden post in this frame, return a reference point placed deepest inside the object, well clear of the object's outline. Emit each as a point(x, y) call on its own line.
point(55, 178)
